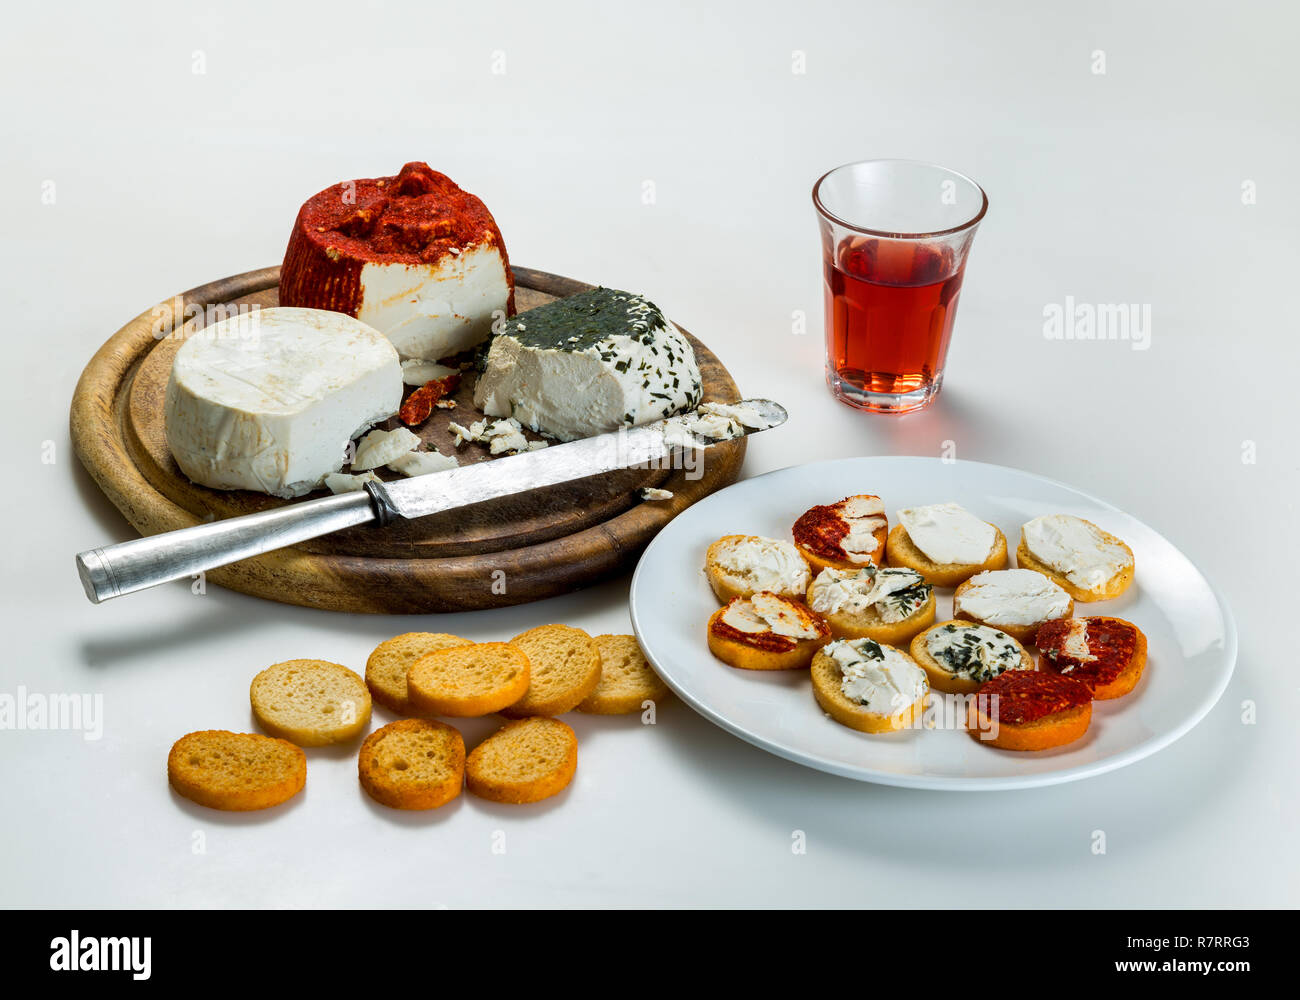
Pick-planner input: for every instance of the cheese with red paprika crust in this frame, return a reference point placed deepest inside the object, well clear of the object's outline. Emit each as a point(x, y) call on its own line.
point(412, 255)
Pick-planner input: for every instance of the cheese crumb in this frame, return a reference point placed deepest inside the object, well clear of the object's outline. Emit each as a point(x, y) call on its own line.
point(382, 447)
point(711, 423)
point(421, 463)
point(503, 437)
point(341, 482)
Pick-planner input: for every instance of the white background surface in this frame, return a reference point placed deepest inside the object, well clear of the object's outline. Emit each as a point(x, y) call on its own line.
point(1122, 187)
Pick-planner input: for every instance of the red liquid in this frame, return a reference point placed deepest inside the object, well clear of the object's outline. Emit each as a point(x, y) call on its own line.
point(890, 306)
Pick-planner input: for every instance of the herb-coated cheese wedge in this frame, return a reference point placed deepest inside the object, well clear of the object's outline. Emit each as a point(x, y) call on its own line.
point(589, 364)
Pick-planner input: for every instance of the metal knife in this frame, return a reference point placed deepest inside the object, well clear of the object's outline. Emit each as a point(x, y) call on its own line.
point(124, 568)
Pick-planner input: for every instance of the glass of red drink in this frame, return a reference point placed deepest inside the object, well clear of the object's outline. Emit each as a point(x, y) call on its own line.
point(895, 235)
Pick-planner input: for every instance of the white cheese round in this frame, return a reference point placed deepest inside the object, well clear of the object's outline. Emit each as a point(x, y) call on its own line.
point(948, 533)
point(1076, 549)
point(268, 400)
point(1013, 597)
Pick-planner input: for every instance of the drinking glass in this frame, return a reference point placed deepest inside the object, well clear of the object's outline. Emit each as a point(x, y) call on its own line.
point(895, 235)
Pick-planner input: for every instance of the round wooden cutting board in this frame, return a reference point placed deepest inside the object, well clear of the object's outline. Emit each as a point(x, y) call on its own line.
point(508, 551)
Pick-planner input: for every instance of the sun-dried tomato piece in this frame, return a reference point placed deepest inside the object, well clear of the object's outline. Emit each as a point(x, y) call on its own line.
point(420, 403)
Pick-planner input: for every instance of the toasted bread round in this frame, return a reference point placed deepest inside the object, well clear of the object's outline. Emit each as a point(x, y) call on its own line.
point(236, 772)
point(766, 650)
point(386, 669)
point(826, 682)
point(412, 764)
point(867, 624)
point(743, 565)
point(1021, 710)
point(312, 703)
point(524, 761)
point(901, 551)
point(565, 668)
point(462, 681)
point(820, 532)
point(627, 681)
point(1022, 633)
point(1103, 591)
point(1118, 651)
point(945, 680)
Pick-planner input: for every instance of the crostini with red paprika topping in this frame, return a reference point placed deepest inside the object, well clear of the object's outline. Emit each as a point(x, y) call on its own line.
point(767, 632)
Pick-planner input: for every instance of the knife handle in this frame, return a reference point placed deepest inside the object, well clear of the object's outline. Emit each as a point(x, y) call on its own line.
point(115, 570)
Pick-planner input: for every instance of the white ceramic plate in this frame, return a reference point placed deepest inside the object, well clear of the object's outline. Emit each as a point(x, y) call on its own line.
point(1193, 641)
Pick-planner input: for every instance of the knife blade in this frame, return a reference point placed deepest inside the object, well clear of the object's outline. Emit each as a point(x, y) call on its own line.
point(115, 570)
